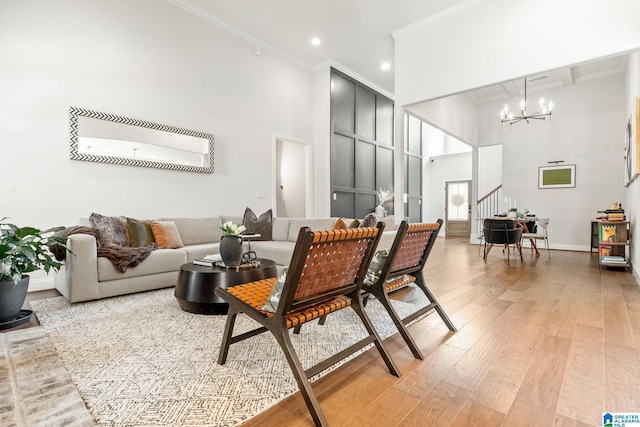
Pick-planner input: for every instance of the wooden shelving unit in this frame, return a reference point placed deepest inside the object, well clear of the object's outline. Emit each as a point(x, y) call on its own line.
point(613, 247)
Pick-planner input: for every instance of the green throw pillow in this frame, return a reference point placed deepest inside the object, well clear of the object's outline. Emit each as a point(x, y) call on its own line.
point(140, 233)
point(376, 266)
point(274, 299)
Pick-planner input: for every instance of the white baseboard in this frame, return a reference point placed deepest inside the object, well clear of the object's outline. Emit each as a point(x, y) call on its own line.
point(41, 284)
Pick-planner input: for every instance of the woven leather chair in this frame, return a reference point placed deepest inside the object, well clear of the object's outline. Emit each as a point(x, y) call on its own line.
point(502, 232)
point(404, 265)
point(325, 275)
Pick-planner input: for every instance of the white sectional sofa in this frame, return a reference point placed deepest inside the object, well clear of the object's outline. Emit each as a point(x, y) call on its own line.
point(84, 276)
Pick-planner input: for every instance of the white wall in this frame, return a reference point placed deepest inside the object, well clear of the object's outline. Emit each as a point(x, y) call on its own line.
point(154, 62)
point(322, 141)
point(455, 114)
point(632, 192)
point(148, 60)
point(499, 40)
point(438, 170)
point(587, 129)
point(489, 168)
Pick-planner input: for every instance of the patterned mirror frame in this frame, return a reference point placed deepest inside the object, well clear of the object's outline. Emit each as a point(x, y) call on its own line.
point(75, 112)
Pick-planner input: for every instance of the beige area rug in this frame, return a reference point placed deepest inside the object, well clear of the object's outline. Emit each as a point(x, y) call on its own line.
point(139, 360)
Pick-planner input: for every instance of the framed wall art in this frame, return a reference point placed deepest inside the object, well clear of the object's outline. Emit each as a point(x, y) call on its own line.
point(632, 145)
point(628, 155)
point(557, 176)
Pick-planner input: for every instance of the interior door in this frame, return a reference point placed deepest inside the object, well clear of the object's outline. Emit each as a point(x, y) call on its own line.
point(458, 208)
point(292, 179)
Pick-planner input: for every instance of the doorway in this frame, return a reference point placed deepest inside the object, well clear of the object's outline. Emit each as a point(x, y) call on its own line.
point(292, 192)
point(458, 208)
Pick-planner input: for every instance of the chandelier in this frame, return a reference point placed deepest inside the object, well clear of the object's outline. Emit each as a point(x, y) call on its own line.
point(545, 110)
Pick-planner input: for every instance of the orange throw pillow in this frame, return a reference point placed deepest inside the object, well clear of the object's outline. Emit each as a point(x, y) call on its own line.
point(166, 234)
point(340, 224)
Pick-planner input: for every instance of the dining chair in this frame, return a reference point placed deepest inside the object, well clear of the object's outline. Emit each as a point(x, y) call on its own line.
point(325, 275)
point(502, 232)
point(544, 236)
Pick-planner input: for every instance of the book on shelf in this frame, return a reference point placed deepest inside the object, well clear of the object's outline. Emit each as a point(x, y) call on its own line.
point(616, 217)
point(608, 233)
point(614, 259)
point(605, 251)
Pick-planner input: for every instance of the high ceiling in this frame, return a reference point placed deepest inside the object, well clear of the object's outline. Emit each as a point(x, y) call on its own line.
point(357, 35)
point(554, 78)
point(353, 33)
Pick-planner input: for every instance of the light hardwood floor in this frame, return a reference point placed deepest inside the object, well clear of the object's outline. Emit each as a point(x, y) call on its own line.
point(538, 344)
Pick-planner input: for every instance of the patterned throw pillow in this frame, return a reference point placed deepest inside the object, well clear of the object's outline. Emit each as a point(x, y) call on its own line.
point(376, 266)
point(166, 234)
point(354, 224)
point(370, 220)
point(112, 230)
point(272, 303)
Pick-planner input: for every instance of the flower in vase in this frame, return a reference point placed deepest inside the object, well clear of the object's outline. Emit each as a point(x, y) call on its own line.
point(231, 229)
point(384, 195)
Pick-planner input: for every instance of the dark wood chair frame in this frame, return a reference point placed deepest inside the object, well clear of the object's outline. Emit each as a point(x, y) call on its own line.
point(405, 264)
point(502, 232)
point(326, 274)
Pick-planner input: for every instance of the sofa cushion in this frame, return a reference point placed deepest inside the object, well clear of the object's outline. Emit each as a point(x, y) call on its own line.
point(195, 231)
point(315, 224)
point(202, 250)
point(159, 261)
point(233, 218)
point(280, 251)
point(112, 230)
point(389, 223)
point(166, 234)
point(280, 229)
point(258, 225)
point(140, 233)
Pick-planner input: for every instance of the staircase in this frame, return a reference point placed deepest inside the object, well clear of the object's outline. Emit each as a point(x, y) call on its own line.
point(488, 207)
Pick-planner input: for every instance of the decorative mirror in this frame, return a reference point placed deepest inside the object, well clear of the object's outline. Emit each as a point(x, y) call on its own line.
point(107, 138)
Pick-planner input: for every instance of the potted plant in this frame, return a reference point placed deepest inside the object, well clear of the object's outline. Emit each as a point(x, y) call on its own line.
point(22, 250)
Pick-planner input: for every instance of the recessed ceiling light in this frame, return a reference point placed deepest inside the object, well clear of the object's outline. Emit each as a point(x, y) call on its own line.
point(315, 41)
point(385, 66)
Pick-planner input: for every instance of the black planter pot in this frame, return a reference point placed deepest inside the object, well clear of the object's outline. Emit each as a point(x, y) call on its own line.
point(231, 250)
point(12, 297)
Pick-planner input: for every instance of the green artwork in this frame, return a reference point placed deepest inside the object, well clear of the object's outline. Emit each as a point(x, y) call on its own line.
point(556, 177)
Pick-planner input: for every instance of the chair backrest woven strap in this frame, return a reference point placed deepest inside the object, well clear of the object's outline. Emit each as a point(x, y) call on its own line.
point(333, 260)
point(411, 249)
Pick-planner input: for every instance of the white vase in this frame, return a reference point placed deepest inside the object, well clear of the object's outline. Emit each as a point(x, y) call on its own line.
point(380, 211)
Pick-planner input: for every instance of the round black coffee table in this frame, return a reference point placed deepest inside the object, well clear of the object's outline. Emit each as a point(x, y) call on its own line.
point(196, 283)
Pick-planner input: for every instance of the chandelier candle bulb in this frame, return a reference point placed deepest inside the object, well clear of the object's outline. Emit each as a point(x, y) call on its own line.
point(508, 116)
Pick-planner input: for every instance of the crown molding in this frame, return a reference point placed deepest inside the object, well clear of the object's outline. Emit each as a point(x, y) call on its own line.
point(256, 41)
point(430, 20)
